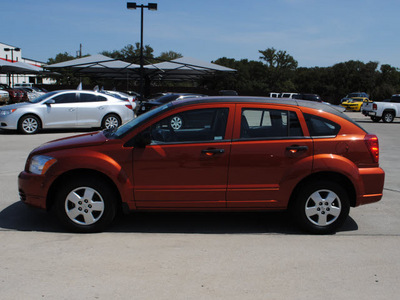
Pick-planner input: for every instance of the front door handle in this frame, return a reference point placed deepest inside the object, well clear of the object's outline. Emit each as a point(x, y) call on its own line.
point(296, 148)
point(211, 152)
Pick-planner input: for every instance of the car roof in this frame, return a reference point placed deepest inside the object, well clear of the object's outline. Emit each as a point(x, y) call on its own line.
point(244, 99)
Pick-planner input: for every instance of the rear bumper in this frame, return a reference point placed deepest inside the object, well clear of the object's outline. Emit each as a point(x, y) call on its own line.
point(373, 180)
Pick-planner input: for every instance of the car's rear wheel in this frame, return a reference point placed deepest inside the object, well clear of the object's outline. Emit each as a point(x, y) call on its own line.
point(85, 204)
point(375, 119)
point(110, 121)
point(29, 124)
point(388, 116)
point(176, 122)
point(321, 207)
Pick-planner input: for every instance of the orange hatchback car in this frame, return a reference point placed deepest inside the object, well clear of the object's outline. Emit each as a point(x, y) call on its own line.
point(211, 154)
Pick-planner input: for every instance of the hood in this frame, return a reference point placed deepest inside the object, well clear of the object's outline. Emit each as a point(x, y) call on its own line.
point(16, 105)
point(83, 140)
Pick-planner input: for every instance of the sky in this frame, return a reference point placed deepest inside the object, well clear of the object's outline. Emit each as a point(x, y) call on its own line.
point(315, 32)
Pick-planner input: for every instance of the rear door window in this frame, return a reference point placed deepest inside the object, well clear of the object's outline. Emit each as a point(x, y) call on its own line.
point(318, 126)
point(269, 123)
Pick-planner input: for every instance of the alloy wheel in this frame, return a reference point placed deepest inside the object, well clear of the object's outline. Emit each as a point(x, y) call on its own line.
point(323, 207)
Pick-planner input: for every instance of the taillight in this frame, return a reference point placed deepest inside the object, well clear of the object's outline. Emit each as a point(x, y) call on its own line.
point(373, 146)
point(129, 106)
point(374, 106)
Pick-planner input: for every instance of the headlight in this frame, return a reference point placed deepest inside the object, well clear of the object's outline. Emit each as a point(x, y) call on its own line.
point(40, 164)
point(5, 112)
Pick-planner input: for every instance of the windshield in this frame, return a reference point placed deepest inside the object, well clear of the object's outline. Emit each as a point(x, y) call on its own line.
point(166, 98)
point(43, 97)
point(127, 127)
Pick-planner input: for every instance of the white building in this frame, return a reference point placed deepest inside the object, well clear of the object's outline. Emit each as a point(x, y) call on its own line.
point(13, 54)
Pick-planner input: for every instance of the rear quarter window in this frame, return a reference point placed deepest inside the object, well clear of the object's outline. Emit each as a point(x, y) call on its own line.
point(318, 126)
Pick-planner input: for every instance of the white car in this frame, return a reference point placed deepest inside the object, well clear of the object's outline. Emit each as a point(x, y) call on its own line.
point(66, 109)
point(4, 97)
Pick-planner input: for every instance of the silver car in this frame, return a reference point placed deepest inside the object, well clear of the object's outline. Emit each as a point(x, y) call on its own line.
point(66, 109)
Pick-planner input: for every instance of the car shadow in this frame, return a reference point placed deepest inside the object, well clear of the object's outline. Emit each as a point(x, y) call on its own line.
point(21, 217)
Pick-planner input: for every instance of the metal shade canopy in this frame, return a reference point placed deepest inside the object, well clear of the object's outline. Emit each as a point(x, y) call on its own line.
point(181, 69)
point(184, 68)
point(98, 65)
point(7, 67)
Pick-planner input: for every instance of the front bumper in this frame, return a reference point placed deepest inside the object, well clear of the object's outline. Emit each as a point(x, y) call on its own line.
point(32, 189)
point(352, 107)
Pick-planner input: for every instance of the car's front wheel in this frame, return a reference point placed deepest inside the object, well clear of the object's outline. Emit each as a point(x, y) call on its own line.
point(29, 124)
point(85, 204)
point(321, 207)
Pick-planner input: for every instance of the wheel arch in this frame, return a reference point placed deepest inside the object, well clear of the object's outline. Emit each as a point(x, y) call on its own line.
point(389, 110)
point(81, 172)
point(109, 114)
point(30, 114)
point(341, 179)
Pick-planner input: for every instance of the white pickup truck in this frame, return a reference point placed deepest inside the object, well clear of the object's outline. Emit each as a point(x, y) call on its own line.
point(385, 111)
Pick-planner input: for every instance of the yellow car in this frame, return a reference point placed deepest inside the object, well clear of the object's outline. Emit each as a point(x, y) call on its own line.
point(354, 104)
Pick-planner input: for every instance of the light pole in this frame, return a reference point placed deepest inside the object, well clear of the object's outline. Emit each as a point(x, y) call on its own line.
point(150, 6)
point(12, 60)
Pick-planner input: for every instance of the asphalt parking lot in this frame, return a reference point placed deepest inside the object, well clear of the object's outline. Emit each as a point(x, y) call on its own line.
point(199, 255)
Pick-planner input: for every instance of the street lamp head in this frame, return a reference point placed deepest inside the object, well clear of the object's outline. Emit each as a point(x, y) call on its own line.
point(152, 6)
point(12, 49)
point(131, 5)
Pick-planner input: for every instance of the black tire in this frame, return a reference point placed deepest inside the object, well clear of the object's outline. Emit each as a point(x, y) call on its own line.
point(111, 121)
point(29, 124)
point(321, 207)
point(388, 116)
point(375, 119)
point(85, 204)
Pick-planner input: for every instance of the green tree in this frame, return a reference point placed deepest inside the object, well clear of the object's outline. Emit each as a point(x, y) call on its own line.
point(280, 69)
point(278, 59)
point(60, 57)
point(169, 55)
point(65, 77)
point(131, 53)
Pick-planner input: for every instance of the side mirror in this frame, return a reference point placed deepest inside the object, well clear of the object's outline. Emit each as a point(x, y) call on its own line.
point(142, 139)
point(49, 102)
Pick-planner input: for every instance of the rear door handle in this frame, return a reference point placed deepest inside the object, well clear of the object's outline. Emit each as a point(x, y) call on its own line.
point(296, 148)
point(211, 152)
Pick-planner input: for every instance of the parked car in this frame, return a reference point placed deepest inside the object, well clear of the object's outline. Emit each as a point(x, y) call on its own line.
point(165, 98)
point(309, 97)
point(287, 95)
point(4, 97)
point(237, 153)
point(275, 95)
point(15, 95)
point(386, 110)
point(123, 96)
point(355, 103)
point(66, 109)
point(354, 95)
